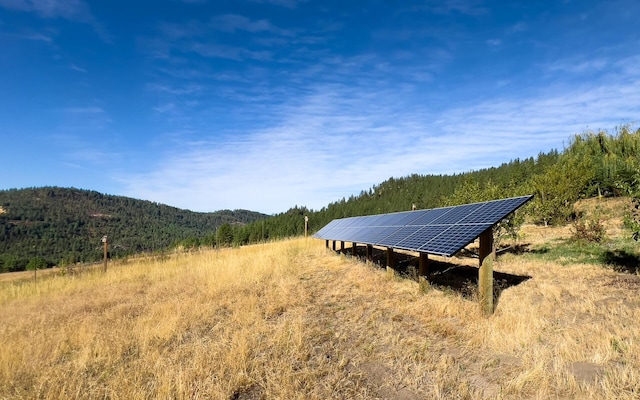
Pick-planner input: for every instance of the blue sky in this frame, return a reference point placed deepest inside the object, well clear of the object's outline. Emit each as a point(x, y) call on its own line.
point(267, 104)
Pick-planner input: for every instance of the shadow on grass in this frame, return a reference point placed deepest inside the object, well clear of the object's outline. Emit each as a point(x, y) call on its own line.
point(622, 261)
point(444, 276)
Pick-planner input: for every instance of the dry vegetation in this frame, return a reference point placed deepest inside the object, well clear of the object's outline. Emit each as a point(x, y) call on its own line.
point(292, 320)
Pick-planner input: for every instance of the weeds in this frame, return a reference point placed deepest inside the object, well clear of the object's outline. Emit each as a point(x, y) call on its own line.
point(589, 231)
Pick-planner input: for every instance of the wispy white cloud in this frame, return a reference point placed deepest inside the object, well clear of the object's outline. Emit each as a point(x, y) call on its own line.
point(339, 140)
point(187, 89)
point(195, 37)
point(84, 119)
point(36, 36)
point(68, 9)
point(518, 27)
point(72, 10)
point(77, 69)
point(281, 3)
point(578, 66)
point(468, 7)
point(235, 53)
point(166, 108)
point(234, 22)
point(84, 110)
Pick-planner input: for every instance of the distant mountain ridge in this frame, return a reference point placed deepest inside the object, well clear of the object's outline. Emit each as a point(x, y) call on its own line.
point(65, 225)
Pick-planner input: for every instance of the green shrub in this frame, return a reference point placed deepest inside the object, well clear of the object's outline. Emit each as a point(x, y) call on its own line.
point(589, 231)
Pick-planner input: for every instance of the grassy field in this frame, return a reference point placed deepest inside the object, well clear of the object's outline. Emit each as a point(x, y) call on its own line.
point(291, 320)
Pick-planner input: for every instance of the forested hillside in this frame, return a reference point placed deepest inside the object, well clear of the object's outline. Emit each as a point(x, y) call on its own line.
point(60, 226)
point(594, 163)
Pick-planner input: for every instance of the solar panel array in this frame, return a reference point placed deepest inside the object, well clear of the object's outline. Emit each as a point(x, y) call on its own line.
point(441, 231)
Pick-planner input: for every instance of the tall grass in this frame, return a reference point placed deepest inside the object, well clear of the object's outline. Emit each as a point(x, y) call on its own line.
point(292, 320)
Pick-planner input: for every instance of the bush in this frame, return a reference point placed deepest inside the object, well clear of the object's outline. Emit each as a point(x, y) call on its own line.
point(632, 220)
point(589, 231)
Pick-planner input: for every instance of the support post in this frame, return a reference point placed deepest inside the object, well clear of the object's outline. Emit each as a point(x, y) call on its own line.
point(485, 273)
point(342, 246)
point(423, 266)
point(390, 263)
point(326, 243)
point(369, 253)
point(333, 245)
point(390, 260)
point(105, 246)
point(354, 248)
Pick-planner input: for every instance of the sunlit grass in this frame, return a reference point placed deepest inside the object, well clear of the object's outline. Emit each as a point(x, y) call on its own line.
point(293, 320)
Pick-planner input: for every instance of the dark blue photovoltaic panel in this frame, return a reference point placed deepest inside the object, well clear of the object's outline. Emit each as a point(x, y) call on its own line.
point(453, 239)
point(455, 214)
point(405, 218)
point(400, 234)
point(442, 231)
point(326, 231)
point(358, 235)
point(377, 233)
point(495, 210)
point(429, 215)
point(350, 222)
point(420, 237)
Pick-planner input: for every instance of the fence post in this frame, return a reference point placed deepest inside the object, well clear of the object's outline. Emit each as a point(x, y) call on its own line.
point(105, 246)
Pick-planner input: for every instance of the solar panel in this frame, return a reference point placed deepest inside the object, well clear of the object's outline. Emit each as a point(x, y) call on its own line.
point(454, 238)
point(442, 231)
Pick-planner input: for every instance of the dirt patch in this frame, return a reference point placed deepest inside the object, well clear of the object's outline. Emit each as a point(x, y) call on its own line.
point(629, 282)
point(377, 377)
point(253, 392)
point(586, 372)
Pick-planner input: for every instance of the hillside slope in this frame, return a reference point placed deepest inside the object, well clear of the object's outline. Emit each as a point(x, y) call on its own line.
point(66, 225)
point(292, 320)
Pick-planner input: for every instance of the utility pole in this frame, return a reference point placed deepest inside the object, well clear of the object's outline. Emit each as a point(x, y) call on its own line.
point(105, 244)
point(306, 225)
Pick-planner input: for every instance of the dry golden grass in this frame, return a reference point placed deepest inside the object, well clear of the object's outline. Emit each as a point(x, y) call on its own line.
point(292, 320)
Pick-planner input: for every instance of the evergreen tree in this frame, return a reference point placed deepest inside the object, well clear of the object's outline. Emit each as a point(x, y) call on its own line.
point(224, 235)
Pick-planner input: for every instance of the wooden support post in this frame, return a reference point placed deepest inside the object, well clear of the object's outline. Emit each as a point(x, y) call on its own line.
point(369, 253)
point(341, 246)
point(391, 273)
point(423, 266)
point(326, 243)
point(333, 245)
point(390, 260)
point(354, 249)
point(485, 273)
